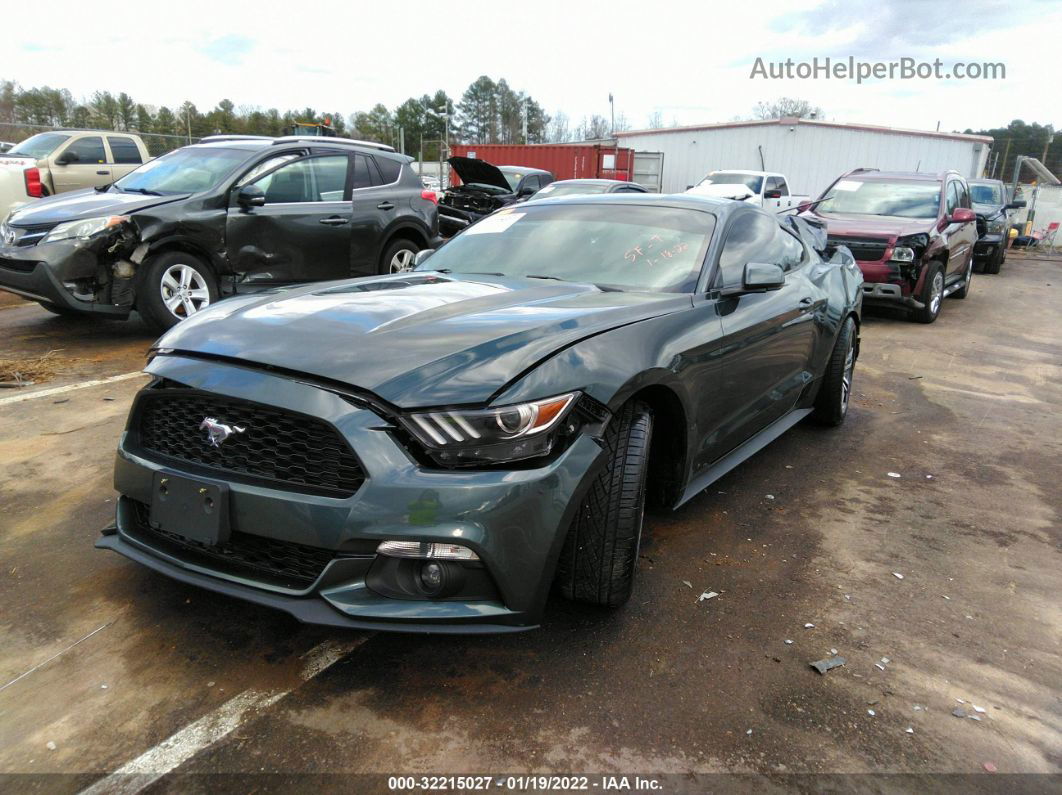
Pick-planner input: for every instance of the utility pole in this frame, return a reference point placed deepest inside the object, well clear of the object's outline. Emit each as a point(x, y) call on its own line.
point(188, 119)
point(612, 111)
point(525, 120)
point(1047, 145)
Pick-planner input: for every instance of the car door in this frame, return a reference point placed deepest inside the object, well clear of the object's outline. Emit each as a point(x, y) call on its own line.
point(965, 236)
point(82, 163)
point(769, 338)
point(303, 231)
point(376, 195)
point(125, 155)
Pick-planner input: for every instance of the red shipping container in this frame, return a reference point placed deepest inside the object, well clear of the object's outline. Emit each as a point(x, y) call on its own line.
point(564, 161)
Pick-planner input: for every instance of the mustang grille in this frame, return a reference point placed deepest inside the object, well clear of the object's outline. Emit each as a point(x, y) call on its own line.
point(284, 448)
point(283, 563)
point(867, 249)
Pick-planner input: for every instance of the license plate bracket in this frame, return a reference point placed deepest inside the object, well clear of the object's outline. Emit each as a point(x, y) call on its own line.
point(192, 508)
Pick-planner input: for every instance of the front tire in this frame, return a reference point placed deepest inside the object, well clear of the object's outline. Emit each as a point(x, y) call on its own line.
point(932, 295)
point(600, 553)
point(174, 286)
point(996, 263)
point(835, 393)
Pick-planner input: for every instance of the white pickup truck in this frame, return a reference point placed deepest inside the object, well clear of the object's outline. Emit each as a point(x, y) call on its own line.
point(765, 189)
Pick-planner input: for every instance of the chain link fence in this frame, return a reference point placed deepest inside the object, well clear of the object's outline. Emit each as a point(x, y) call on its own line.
point(157, 143)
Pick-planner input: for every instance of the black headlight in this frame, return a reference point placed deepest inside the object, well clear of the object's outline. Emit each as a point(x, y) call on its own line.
point(487, 437)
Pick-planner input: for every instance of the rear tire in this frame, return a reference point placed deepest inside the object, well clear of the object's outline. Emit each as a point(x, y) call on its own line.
point(173, 286)
point(835, 393)
point(964, 291)
point(398, 257)
point(932, 295)
point(600, 553)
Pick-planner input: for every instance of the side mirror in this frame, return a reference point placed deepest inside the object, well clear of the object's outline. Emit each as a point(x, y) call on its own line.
point(526, 191)
point(1015, 205)
point(421, 256)
point(251, 196)
point(773, 194)
point(759, 277)
point(66, 158)
point(962, 215)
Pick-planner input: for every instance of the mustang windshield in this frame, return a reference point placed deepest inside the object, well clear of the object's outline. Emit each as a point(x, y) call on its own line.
point(184, 171)
point(627, 247)
point(877, 197)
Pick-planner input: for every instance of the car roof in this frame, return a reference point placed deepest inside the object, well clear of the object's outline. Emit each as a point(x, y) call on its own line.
point(676, 201)
point(251, 143)
point(591, 181)
point(922, 176)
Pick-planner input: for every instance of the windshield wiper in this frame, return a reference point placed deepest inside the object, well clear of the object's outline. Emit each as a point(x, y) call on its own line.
point(144, 191)
point(537, 276)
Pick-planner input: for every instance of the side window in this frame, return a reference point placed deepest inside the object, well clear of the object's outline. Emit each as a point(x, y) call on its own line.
point(315, 179)
point(362, 176)
point(266, 165)
point(964, 194)
point(782, 186)
point(89, 150)
point(532, 182)
point(750, 238)
point(389, 169)
point(772, 184)
point(953, 197)
point(124, 150)
point(792, 250)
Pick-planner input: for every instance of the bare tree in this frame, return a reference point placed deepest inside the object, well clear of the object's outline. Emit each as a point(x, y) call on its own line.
point(558, 131)
point(787, 108)
point(656, 120)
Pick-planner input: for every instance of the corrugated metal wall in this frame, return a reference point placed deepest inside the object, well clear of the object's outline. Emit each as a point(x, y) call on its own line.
point(811, 155)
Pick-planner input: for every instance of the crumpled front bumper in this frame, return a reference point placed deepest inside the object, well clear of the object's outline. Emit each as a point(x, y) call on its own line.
point(987, 245)
point(514, 520)
point(39, 272)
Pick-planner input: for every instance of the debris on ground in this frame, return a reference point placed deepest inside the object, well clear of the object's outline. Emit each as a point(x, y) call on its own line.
point(770, 496)
point(50, 745)
point(707, 595)
point(909, 730)
point(978, 709)
point(882, 663)
point(989, 767)
point(30, 370)
point(687, 583)
point(871, 713)
point(749, 731)
point(788, 642)
point(822, 666)
point(894, 474)
point(809, 626)
point(946, 597)
point(897, 575)
point(959, 712)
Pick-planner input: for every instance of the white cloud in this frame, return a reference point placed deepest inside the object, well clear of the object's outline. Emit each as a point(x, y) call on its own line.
point(689, 60)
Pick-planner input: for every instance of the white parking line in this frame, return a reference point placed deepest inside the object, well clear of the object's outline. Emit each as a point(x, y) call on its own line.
point(177, 749)
point(59, 390)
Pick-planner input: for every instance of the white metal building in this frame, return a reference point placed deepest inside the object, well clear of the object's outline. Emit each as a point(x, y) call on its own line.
point(810, 153)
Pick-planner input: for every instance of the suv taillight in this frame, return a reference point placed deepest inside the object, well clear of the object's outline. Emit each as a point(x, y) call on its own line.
point(33, 182)
point(430, 195)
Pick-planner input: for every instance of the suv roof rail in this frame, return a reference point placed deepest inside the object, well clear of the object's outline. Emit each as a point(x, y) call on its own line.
point(329, 141)
point(210, 139)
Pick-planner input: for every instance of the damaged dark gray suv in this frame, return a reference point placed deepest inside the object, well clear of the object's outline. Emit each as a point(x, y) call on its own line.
point(231, 215)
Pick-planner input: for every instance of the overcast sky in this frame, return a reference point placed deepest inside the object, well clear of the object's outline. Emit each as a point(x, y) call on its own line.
point(688, 60)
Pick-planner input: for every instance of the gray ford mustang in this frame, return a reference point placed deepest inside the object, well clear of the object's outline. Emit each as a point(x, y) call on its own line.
point(434, 450)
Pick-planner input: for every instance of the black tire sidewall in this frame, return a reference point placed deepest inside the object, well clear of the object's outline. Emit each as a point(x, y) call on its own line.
point(149, 296)
point(828, 409)
point(926, 314)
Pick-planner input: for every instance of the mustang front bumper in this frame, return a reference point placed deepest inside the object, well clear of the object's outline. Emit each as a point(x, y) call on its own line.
point(514, 520)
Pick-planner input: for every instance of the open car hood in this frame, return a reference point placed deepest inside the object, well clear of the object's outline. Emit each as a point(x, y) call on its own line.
point(472, 170)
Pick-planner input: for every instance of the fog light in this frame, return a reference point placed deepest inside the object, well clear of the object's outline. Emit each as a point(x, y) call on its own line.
point(431, 577)
point(417, 549)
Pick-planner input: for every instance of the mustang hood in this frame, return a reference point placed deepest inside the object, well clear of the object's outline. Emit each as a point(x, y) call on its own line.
point(415, 340)
point(471, 170)
point(87, 203)
point(723, 191)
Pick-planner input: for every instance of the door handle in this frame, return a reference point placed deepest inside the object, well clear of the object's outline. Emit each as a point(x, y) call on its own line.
point(103, 173)
point(385, 206)
point(335, 220)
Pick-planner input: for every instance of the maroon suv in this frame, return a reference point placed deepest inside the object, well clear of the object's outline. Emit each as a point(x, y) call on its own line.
point(912, 235)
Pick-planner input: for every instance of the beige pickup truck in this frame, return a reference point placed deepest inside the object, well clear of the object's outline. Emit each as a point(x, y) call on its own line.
point(65, 160)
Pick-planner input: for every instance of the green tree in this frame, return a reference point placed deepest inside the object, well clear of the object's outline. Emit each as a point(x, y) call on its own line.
point(375, 125)
point(143, 119)
point(165, 121)
point(412, 117)
point(477, 112)
point(126, 111)
point(1019, 138)
point(105, 110)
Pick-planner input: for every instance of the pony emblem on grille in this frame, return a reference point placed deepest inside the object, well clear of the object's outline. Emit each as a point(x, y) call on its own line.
point(218, 432)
